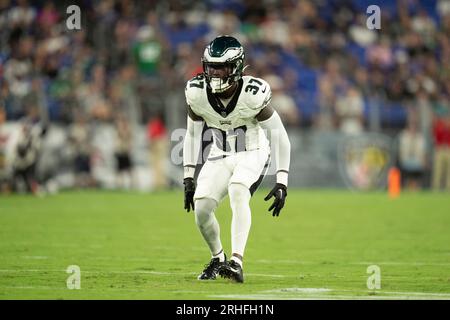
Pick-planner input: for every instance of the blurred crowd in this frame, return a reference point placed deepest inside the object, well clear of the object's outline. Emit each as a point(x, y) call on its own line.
point(129, 62)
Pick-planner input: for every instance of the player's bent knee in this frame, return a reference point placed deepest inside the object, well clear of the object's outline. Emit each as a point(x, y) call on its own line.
point(238, 193)
point(204, 207)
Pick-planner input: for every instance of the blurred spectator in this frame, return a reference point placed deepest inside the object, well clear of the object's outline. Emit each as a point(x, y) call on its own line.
point(21, 15)
point(95, 100)
point(120, 53)
point(349, 111)
point(360, 34)
point(423, 24)
point(147, 52)
point(412, 155)
point(47, 17)
point(331, 83)
point(424, 111)
point(361, 81)
point(226, 22)
point(158, 140)
point(148, 57)
point(4, 137)
point(443, 8)
point(18, 73)
point(134, 57)
point(123, 154)
point(275, 30)
point(441, 163)
point(282, 102)
point(26, 158)
point(80, 139)
point(380, 55)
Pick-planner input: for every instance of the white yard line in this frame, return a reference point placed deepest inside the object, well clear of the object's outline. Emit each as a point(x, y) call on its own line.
point(65, 289)
point(28, 270)
point(402, 263)
point(298, 290)
point(368, 263)
point(270, 275)
point(326, 294)
point(98, 272)
point(326, 297)
point(374, 292)
point(425, 294)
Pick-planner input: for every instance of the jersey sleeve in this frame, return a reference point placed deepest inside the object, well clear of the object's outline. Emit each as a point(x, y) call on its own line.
point(190, 97)
point(257, 95)
point(192, 92)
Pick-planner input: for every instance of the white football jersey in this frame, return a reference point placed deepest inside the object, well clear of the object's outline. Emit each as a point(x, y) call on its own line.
point(234, 126)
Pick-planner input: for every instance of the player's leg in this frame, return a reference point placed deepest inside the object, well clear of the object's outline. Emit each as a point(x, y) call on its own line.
point(210, 230)
point(240, 226)
point(207, 224)
point(211, 188)
point(247, 173)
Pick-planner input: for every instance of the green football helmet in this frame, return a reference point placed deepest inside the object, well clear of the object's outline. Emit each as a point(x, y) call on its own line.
point(223, 52)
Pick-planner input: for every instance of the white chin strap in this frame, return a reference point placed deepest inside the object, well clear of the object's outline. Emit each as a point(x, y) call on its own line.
point(217, 85)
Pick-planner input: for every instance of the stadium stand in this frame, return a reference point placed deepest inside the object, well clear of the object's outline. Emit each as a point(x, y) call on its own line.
point(317, 48)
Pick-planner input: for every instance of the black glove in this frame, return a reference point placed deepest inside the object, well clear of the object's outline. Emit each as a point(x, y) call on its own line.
point(280, 194)
point(189, 190)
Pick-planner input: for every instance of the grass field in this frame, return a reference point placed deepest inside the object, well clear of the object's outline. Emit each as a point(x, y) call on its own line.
point(144, 246)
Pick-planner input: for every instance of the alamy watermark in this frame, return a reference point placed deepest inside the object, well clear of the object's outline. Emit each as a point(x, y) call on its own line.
point(374, 20)
point(74, 280)
point(73, 22)
point(230, 141)
point(374, 280)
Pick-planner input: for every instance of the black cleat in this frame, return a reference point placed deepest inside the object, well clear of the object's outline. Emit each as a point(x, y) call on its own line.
point(232, 270)
point(211, 269)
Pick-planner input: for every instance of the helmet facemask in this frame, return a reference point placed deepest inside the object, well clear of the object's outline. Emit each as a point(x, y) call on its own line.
point(232, 72)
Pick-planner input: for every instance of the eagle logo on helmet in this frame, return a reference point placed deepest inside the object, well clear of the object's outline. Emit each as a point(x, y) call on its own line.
point(227, 52)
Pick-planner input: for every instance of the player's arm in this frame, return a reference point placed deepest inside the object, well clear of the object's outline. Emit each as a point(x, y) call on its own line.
point(270, 121)
point(191, 149)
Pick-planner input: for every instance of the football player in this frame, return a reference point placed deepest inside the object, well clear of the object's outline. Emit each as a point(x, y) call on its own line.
point(237, 109)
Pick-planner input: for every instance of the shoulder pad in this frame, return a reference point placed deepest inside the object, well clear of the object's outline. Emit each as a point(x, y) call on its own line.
point(194, 89)
point(257, 92)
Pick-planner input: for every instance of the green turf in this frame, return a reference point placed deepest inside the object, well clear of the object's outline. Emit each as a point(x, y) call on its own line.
point(144, 246)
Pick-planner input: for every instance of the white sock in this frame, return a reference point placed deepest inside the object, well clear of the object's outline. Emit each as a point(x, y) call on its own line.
point(207, 223)
point(220, 255)
point(237, 260)
point(242, 219)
